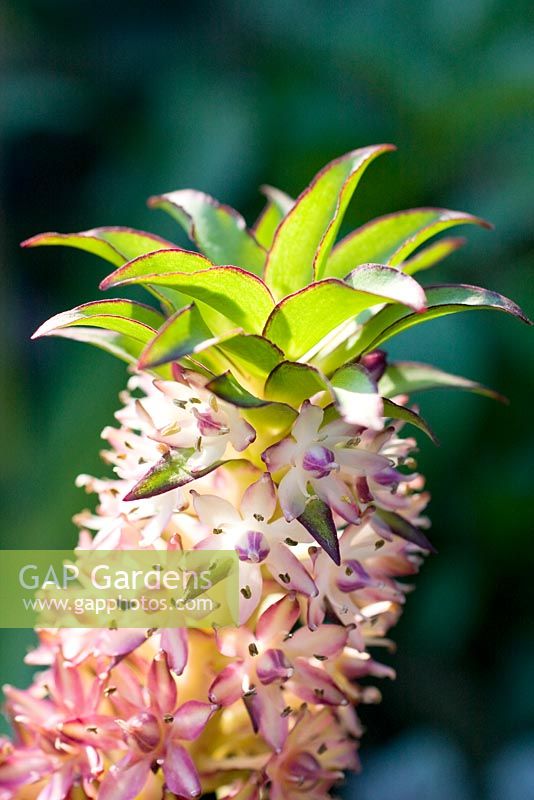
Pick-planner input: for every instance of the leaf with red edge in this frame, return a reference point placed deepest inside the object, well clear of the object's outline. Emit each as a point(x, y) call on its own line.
point(318, 521)
point(127, 317)
point(405, 377)
point(302, 320)
point(433, 254)
point(240, 296)
point(115, 244)
point(392, 238)
point(303, 240)
point(181, 335)
point(442, 300)
point(219, 231)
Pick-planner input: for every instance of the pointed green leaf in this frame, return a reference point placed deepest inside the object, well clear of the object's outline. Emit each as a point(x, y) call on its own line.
point(227, 388)
point(356, 397)
point(277, 207)
point(441, 300)
point(181, 335)
point(394, 411)
point(302, 320)
point(405, 377)
point(432, 254)
point(318, 521)
point(396, 524)
point(291, 382)
point(127, 317)
point(303, 240)
point(161, 262)
point(117, 245)
point(219, 231)
point(169, 473)
point(239, 295)
point(392, 238)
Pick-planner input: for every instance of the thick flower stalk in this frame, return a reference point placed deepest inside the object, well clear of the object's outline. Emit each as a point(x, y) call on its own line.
point(264, 417)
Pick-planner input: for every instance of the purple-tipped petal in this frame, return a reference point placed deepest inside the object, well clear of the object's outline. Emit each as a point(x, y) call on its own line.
point(272, 665)
point(319, 461)
point(252, 546)
point(266, 713)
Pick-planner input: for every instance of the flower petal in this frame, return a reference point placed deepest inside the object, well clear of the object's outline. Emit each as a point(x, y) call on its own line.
point(124, 781)
point(227, 686)
point(214, 511)
point(279, 455)
point(308, 422)
point(260, 498)
point(278, 619)
point(174, 643)
point(272, 665)
point(181, 776)
point(288, 571)
point(191, 719)
point(314, 685)
point(266, 710)
point(290, 495)
point(59, 784)
point(161, 684)
point(324, 641)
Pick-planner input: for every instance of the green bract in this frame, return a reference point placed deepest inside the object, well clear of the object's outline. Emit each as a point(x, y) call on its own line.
point(277, 313)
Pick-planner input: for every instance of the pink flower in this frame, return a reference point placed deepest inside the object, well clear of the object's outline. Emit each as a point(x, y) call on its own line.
point(182, 413)
point(271, 658)
point(153, 729)
point(362, 590)
point(60, 716)
point(257, 540)
point(324, 459)
point(313, 758)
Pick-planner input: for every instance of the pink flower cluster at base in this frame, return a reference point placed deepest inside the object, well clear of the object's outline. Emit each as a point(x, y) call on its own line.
point(267, 708)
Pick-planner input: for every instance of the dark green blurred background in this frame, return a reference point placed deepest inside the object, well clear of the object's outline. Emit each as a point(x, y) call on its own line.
point(105, 103)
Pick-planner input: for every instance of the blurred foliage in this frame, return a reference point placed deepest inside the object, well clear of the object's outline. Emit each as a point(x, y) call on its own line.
point(104, 104)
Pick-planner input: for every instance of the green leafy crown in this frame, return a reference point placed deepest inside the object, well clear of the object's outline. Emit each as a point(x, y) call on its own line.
point(273, 314)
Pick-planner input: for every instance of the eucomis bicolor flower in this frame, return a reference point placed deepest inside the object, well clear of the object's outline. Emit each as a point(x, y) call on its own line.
point(264, 416)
